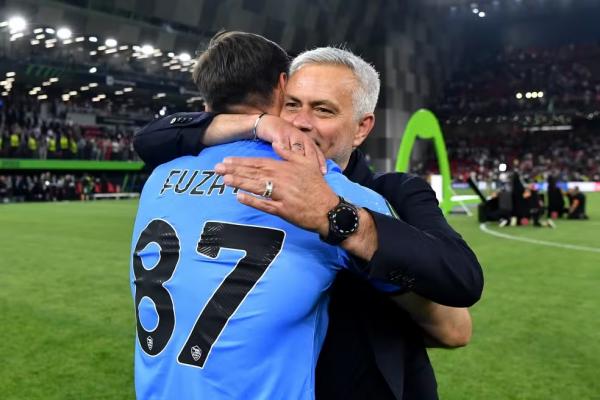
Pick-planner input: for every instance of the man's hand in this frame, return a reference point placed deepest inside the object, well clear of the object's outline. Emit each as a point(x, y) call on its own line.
point(300, 195)
point(284, 135)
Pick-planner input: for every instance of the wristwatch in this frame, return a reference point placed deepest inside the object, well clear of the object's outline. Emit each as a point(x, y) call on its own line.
point(343, 222)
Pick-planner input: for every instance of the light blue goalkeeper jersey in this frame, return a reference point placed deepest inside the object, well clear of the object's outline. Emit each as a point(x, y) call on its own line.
point(230, 302)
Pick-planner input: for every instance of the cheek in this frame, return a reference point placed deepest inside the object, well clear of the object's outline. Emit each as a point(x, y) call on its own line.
point(286, 115)
point(328, 138)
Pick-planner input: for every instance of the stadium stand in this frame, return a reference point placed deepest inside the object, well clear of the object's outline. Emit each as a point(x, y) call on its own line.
point(535, 110)
point(26, 134)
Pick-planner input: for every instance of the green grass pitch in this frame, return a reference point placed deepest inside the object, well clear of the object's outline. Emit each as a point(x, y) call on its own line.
point(67, 320)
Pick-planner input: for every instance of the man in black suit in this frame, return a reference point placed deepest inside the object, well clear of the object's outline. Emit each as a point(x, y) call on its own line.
point(374, 349)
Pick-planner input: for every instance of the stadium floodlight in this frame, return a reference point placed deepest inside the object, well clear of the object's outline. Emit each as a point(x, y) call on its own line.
point(147, 49)
point(93, 70)
point(528, 95)
point(185, 57)
point(53, 80)
point(502, 167)
point(534, 95)
point(84, 88)
point(128, 89)
point(17, 24)
point(540, 94)
point(110, 42)
point(93, 84)
point(475, 10)
point(481, 14)
point(10, 74)
point(63, 33)
point(73, 93)
point(50, 31)
point(519, 95)
point(93, 39)
point(42, 97)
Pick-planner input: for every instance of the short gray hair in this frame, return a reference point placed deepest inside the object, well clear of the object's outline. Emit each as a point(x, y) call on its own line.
point(365, 98)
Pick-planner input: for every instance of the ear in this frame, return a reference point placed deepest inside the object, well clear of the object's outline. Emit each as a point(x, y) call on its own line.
point(282, 80)
point(365, 125)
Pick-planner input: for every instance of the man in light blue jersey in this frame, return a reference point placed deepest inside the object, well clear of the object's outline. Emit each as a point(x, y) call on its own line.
point(231, 302)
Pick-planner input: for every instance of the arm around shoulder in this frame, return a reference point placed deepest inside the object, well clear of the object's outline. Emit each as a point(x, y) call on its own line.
point(419, 251)
point(173, 136)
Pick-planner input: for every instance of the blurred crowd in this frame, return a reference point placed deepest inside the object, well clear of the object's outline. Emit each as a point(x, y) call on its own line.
point(27, 131)
point(486, 90)
point(569, 156)
point(533, 110)
point(48, 186)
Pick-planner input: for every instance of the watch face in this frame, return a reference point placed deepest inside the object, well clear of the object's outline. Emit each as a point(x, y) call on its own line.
point(345, 219)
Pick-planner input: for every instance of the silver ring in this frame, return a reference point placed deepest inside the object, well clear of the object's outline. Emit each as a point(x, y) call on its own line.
point(268, 190)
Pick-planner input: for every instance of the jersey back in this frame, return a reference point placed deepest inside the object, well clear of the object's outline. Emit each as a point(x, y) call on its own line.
point(230, 302)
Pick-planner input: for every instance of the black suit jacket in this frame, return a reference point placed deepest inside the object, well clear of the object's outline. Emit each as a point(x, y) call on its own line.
point(373, 350)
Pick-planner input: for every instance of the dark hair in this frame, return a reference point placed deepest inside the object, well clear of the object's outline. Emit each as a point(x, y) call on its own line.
point(239, 68)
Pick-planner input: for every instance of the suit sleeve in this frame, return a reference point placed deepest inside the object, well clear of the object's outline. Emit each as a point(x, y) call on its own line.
point(172, 136)
point(419, 250)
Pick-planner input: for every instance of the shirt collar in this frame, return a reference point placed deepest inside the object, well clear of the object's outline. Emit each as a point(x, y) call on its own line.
point(358, 170)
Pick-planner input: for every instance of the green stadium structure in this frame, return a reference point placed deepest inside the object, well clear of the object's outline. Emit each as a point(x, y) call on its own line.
point(424, 125)
point(70, 165)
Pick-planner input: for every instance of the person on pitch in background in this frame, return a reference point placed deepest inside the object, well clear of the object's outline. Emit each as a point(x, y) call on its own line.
point(231, 302)
point(374, 349)
point(576, 204)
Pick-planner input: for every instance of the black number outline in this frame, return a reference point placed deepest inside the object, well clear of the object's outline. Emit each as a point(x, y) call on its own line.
point(211, 247)
point(141, 333)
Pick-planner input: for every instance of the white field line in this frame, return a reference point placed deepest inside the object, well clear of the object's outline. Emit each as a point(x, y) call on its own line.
point(485, 229)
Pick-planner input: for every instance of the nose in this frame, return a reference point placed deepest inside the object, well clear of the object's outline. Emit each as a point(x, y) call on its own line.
point(302, 122)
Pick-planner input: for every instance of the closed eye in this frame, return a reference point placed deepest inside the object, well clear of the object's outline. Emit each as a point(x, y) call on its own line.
point(324, 110)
